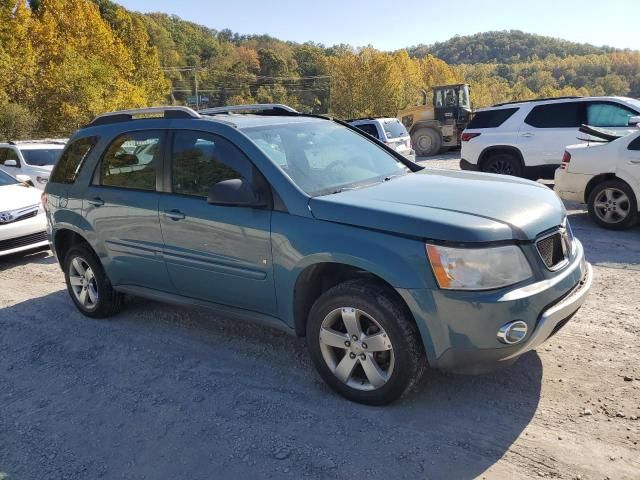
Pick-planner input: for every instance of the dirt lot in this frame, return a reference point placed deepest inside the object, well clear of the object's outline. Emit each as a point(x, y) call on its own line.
point(162, 392)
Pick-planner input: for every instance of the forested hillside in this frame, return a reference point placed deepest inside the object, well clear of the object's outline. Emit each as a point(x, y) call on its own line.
point(64, 61)
point(511, 46)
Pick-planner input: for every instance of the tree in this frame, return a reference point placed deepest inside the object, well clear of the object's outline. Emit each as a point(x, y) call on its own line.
point(16, 122)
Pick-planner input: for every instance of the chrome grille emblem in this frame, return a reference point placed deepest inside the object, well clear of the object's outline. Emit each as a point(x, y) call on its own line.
point(6, 217)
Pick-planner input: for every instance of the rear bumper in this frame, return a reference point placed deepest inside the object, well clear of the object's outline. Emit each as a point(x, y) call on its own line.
point(571, 186)
point(459, 329)
point(465, 165)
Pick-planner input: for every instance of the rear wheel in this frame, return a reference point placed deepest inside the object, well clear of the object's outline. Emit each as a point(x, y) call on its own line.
point(426, 142)
point(503, 164)
point(88, 285)
point(364, 343)
point(613, 205)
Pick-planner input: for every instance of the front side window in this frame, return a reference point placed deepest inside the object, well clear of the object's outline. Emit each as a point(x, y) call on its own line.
point(71, 160)
point(555, 115)
point(200, 160)
point(41, 157)
point(131, 161)
point(608, 115)
point(635, 144)
point(9, 154)
point(323, 157)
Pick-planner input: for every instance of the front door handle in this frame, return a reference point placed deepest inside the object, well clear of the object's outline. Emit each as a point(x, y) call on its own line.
point(96, 202)
point(527, 134)
point(174, 214)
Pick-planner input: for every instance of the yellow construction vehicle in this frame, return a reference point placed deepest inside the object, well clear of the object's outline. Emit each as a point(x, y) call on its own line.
point(436, 124)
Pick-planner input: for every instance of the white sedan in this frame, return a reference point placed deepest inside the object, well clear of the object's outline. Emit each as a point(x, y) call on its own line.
point(23, 224)
point(605, 175)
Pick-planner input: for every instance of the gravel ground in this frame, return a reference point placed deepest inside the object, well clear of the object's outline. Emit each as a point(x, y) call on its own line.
point(162, 392)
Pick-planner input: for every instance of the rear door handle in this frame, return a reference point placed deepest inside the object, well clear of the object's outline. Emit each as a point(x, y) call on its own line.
point(527, 134)
point(96, 202)
point(174, 214)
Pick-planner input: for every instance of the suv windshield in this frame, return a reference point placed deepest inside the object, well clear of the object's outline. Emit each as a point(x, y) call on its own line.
point(324, 157)
point(41, 157)
point(6, 179)
point(394, 129)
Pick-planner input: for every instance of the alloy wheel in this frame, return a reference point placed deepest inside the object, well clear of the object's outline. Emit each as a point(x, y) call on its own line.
point(83, 283)
point(612, 205)
point(356, 348)
point(503, 167)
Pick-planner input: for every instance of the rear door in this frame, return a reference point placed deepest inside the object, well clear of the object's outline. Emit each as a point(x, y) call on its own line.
point(121, 205)
point(548, 129)
point(216, 253)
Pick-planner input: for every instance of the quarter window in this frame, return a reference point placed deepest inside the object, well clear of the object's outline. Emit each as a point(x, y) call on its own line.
point(131, 161)
point(608, 115)
point(200, 160)
point(68, 167)
point(369, 129)
point(556, 115)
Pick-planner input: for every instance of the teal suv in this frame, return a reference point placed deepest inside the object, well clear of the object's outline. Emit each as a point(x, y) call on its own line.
point(306, 224)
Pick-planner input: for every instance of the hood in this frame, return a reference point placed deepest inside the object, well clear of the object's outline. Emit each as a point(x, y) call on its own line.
point(448, 205)
point(41, 169)
point(13, 197)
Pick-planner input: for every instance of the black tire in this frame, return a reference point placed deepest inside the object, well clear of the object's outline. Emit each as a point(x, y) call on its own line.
point(109, 302)
point(426, 141)
point(502, 164)
point(598, 213)
point(377, 302)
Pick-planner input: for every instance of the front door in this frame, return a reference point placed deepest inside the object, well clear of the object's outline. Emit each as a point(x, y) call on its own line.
point(216, 253)
point(121, 205)
point(547, 131)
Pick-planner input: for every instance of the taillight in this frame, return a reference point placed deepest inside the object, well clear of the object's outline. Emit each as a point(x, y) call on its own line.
point(43, 199)
point(566, 158)
point(465, 137)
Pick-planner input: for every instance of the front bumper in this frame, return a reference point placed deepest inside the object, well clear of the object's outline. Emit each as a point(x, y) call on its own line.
point(459, 328)
point(23, 235)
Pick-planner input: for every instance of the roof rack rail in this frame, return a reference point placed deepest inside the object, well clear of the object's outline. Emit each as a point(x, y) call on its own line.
point(256, 108)
point(537, 100)
point(126, 115)
point(55, 141)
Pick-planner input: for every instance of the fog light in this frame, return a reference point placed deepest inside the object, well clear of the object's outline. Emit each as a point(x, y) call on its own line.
point(512, 332)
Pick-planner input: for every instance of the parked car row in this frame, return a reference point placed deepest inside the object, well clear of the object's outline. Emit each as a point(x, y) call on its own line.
point(537, 139)
point(310, 225)
point(31, 160)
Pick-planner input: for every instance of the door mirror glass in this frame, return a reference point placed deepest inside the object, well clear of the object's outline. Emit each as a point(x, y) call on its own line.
point(236, 192)
point(10, 163)
point(635, 120)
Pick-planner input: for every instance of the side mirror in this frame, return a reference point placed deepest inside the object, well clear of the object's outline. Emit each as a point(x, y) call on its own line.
point(633, 121)
point(10, 163)
point(234, 193)
point(25, 179)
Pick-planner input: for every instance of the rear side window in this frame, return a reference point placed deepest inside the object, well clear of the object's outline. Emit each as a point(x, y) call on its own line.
point(394, 129)
point(556, 115)
point(602, 114)
point(200, 160)
point(131, 161)
point(68, 167)
point(368, 128)
point(491, 118)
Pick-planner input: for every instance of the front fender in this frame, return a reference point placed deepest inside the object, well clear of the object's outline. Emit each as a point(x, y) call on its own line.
point(299, 242)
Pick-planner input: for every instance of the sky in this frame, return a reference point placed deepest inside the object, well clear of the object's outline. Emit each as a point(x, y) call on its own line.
point(390, 25)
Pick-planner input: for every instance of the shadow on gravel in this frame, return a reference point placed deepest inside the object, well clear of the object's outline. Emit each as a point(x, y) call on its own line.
point(40, 257)
point(167, 392)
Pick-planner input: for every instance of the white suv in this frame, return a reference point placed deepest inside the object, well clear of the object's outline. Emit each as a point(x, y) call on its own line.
point(527, 139)
point(389, 131)
point(34, 159)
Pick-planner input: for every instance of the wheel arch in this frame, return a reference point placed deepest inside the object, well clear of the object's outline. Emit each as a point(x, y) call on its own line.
point(494, 149)
point(65, 238)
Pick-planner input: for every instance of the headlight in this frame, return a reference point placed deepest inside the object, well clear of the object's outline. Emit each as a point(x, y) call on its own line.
point(478, 268)
point(42, 180)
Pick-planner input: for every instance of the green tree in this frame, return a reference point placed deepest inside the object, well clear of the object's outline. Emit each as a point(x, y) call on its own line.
point(16, 122)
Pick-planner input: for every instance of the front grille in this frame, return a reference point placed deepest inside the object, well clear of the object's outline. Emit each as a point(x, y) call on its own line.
point(16, 215)
point(552, 250)
point(23, 241)
point(31, 214)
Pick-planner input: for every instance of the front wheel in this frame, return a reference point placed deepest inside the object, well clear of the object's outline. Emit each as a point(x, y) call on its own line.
point(613, 205)
point(364, 343)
